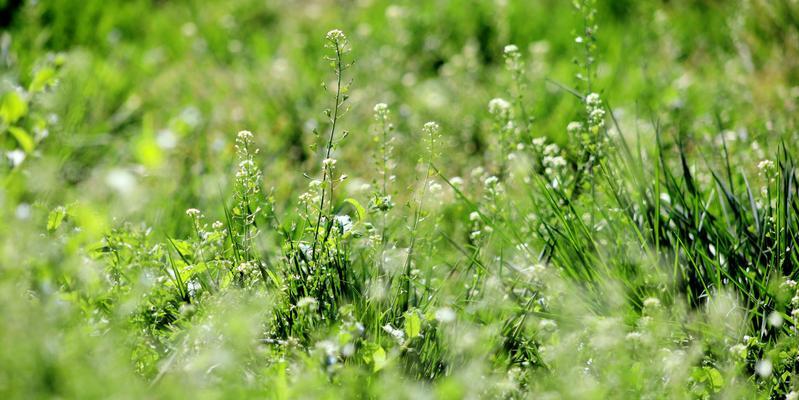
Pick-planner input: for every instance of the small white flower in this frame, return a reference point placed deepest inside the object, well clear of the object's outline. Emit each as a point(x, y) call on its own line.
point(491, 181)
point(397, 334)
point(380, 108)
point(336, 35)
point(474, 216)
point(445, 315)
point(193, 212)
point(344, 222)
point(593, 100)
point(574, 127)
point(652, 302)
point(547, 325)
point(329, 162)
point(539, 142)
point(792, 395)
point(244, 267)
point(511, 49)
point(763, 368)
point(775, 319)
point(244, 136)
point(431, 127)
point(499, 107)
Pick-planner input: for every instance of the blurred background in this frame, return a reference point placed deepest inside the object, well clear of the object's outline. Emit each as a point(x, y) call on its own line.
point(131, 107)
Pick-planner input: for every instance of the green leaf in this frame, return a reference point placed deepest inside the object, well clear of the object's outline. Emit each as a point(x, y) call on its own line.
point(413, 325)
point(55, 218)
point(12, 107)
point(23, 138)
point(379, 359)
point(357, 206)
point(43, 77)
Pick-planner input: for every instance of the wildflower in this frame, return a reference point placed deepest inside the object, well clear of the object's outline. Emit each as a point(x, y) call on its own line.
point(344, 222)
point(513, 58)
point(309, 303)
point(244, 136)
point(193, 212)
point(765, 165)
point(792, 395)
point(499, 108)
point(445, 314)
point(329, 162)
point(547, 325)
point(593, 100)
point(574, 127)
point(652, 302)
point(491, 181)
point(381, 111)
point(474, 216)
point(456, 181)
point(397, 334)
point(738, 351)
point(511, 49)
point(634, 336)
point(775, 319)
point(336, 35)
point(431, 127)
point(763, 368)
point(244, 267)
point(218, 225)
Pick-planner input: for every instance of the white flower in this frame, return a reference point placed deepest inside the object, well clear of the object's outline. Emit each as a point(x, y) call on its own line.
point(244, 267)
point(217, 225)
point(593, 100)
point(445, 314)
point(474, 216)
point(499, 107)
point(491, 181)
point(775, 319)
point(431, 127)
point(738, 350)
point(792, 395)
point(397, 334)
point(574, 127)
point(551, 149)
point(539, 141)
point(307, 302)
point(634, 336)
point(763, 368)
point(765, 166)
point(329, 162)
point(336, 35)
point(651, 302)
point(244, 136)
point(511, 49)
point(344, 222)
point(16, 157)
point(547, 325)
point(193, 212)
point(456, 181)
point(381, 108)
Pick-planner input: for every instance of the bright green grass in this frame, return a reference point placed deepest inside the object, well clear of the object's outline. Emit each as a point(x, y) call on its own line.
point(237, 200)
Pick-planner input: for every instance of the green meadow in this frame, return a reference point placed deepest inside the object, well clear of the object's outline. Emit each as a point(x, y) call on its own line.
point(444, 199)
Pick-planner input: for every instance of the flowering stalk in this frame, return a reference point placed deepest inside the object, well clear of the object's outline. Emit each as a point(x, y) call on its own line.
point(338, 42)
point(432, 130)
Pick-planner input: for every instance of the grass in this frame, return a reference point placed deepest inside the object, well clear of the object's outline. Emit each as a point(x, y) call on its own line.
point(501, 200)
